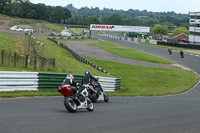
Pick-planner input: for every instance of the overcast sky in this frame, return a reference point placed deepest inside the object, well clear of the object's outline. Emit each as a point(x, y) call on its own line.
point(178, 6)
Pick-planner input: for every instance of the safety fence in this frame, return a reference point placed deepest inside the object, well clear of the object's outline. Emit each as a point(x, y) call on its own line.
point(9, 58)
point(130, 39)
point(22, 81)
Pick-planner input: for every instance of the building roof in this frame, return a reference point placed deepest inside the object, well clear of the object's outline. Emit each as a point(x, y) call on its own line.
point(178, 34)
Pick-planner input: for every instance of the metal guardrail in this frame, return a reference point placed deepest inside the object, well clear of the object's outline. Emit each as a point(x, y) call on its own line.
point(21, 81)
point(131, 39)
point(51, 81)
point(18, 81)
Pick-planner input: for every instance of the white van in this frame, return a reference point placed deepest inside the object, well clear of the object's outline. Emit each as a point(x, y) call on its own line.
point(13, 28)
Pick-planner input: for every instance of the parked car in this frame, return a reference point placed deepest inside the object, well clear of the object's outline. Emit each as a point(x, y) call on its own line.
point(53, 34)
point(28, 30)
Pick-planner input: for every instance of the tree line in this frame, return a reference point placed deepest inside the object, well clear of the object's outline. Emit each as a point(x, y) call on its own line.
point(160, 21)
point(85, 16)
point(26, 9)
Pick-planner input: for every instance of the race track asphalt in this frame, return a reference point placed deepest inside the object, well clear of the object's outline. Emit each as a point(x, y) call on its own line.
point(164, 114)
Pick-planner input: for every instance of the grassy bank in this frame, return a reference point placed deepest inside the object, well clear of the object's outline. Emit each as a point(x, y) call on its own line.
point(53, 27)
point(65, 62)
point(11, 42)
point(148, 81)
point(28, 94)
point(77, 30)
point(162, 46)
point(129, 53)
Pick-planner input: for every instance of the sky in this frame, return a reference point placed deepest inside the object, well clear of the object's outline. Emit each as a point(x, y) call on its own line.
point(178, 6)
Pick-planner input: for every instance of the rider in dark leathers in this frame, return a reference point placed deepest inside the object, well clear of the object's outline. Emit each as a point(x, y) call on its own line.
point(182, 54)
point(87, 79)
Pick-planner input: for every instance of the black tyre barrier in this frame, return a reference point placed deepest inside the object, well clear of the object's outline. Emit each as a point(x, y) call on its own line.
point(82, 59)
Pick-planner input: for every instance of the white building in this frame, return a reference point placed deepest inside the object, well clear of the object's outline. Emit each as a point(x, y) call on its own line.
point(194, 29)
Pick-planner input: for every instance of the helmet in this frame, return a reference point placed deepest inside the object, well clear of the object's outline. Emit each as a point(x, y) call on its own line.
point(87, 73)
point(70, 76)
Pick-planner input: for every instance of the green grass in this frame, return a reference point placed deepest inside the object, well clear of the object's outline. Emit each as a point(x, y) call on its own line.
point(65, 62)
point(28, 94)
point(173, 48)
point(1, 23)
point(148, 81)
point(77, 30)
point(53, 27)
point(11, 43)
point(129, 53)
point(23, 22)
point(162, 46)
point(5, 17)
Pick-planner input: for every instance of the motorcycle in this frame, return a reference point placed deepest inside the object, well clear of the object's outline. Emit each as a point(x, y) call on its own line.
point(170, 51)
point(95, 92)
point(73, 102)
point(182, 54)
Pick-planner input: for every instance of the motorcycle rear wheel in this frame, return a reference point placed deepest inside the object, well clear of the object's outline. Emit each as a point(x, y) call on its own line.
point(106, 99)
point(90, 105)
point(70, 104)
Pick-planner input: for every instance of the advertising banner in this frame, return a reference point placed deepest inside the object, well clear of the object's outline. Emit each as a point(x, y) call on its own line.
point(120, 28)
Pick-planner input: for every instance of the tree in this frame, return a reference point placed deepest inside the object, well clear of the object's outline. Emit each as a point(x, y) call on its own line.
point(180, 30)
point(93, 20)
point(3, 3)
point(116, 19)
point(159, 29)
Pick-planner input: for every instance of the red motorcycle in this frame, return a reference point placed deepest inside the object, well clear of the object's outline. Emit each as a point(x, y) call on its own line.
point(73, 102)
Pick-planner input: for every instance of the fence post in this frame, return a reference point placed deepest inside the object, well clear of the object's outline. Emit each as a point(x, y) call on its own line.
point(54, 62)
point(26, 61)
point(3, 56)
point(35, 62)
point(43, 63)
point(15, 59)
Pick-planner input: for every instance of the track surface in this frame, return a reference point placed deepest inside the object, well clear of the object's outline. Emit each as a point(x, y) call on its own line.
point(166, 114)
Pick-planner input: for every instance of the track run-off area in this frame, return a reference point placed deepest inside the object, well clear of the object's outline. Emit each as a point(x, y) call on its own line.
point(162, 114)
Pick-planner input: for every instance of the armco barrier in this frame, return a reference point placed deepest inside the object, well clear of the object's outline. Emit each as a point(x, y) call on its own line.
point(131, 39)
point(21, 81)
point(51, 81)
point(12, 81)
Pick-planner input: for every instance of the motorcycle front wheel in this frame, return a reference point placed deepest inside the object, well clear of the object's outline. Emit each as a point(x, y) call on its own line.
point(70, 104)
point(90, 105)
